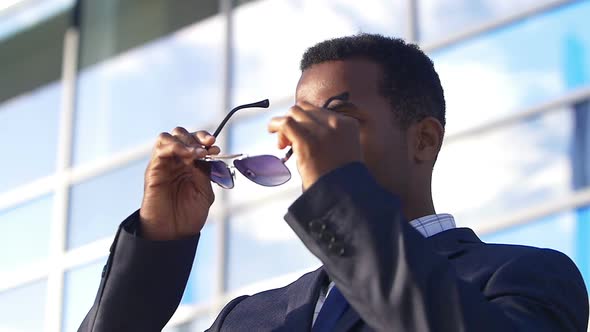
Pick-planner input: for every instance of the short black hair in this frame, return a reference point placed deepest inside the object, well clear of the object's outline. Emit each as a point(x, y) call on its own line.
point(409, 79)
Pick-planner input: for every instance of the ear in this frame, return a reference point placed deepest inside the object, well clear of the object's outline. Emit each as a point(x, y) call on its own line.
point(428, 140)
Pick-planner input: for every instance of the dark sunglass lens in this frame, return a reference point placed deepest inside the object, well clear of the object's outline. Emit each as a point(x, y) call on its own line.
point(221, 174)
point(266, 170)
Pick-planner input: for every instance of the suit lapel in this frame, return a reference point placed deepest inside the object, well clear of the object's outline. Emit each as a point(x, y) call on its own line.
point(348, 320)
point(302, 299)
point(450, 244)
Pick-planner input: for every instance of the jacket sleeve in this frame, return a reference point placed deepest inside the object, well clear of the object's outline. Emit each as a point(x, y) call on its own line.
point(216, 327)
point(142, 282)
point(395, 281)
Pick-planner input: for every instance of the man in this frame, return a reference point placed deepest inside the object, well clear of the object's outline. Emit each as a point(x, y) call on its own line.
point(389, 262)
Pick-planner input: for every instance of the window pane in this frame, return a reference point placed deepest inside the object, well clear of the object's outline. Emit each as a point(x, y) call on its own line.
point(129, 99)
point(494, 174)
point(99, 205)
point(29, 147)
point(22, 309)
point(203, 278)
point(555, 232)
point(582, 241)
point(268, 51)
point(259, 240)
point(80, 287)
point(27, 228)
point(441, 18)
point(27, 14)
point(491, 76)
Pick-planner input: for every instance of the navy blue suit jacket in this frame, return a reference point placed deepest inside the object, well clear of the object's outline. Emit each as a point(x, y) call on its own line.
point(393, 277)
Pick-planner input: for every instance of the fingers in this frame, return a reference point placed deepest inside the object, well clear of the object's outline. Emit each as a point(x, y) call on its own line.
point(184, 145)
point(168, 146)
point(204, 137)
point(309, 117)
point(213, 150)
point(322, 139)
point(206, 140)
point(297, 123)
point(324, 117)
point(289, 130)
point(200, 138)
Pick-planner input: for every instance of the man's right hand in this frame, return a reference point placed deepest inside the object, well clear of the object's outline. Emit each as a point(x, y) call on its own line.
point(177, 192)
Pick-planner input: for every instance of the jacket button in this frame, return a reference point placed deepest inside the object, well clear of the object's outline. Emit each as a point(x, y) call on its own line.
point(327, 237)
point(316, 228)
point(336, 248)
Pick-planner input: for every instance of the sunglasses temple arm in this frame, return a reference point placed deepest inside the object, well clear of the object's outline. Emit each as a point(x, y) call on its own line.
point(261, 104)
point(287, 156)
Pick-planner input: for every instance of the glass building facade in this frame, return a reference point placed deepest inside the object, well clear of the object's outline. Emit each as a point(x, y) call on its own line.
point(80, 109)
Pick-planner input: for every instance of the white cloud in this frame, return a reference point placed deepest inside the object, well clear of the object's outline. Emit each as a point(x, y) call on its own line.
point(485, 173)
point(498, 171)
point(129, 63)
point(438, 18)
point(567, 223)
point(206, 32)
point(268, 47)
point(478, 92)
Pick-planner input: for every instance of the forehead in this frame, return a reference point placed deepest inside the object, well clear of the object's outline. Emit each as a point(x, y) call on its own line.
point(358, 76)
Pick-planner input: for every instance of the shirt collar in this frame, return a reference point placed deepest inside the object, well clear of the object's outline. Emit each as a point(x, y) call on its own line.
point(433, 224)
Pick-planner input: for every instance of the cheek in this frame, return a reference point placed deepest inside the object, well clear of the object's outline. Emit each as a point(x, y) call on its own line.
point(383, 141)
point(368, 145)
point(384, 152)
point(376, 151)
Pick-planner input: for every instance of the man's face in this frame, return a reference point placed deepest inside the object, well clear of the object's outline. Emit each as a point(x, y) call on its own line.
point(384, 143)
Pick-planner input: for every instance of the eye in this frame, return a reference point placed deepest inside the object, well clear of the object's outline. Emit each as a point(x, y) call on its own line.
point(340, 107)
point(349, 110)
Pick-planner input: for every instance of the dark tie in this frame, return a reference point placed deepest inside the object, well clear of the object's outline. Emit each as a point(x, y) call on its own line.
point(333, 308)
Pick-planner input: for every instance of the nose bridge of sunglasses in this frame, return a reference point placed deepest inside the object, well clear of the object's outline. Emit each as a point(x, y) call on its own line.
point(221, 174)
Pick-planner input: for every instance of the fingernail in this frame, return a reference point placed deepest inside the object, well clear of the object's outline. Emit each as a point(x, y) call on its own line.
point(199, 151)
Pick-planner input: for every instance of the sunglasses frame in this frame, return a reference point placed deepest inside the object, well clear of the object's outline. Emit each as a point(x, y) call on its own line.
point(242, 157)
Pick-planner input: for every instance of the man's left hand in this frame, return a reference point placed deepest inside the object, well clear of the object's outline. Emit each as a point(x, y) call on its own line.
point(322, 140)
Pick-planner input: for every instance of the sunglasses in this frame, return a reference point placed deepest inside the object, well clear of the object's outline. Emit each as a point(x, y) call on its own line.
point(265, 170)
